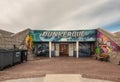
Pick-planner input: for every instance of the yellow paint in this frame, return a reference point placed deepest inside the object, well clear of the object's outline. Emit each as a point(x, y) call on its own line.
point(109, 50)
point(29, 41)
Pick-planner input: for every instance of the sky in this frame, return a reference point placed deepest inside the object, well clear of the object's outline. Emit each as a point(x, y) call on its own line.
point(17, 15)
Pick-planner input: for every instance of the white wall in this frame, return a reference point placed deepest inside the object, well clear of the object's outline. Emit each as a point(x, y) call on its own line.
point(57, 50)
point(71, 49)
point(53, 48)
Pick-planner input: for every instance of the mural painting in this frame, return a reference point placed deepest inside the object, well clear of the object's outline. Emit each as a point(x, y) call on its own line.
point(41, 49)
point(63, 36)
point(105, 45)
point(29, 41)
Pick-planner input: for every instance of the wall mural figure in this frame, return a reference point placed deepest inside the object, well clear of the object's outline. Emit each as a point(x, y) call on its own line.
point(105, 45)
point(29, 41)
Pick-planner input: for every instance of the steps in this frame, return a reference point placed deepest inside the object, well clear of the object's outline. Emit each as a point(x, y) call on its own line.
point(62, 78)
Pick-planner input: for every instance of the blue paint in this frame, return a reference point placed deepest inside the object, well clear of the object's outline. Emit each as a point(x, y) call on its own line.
point(63, 36)
point(84, 49)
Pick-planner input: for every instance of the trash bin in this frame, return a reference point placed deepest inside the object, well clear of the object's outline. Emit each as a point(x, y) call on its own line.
point(16, 56)
point(6, 58)
point(24, 55)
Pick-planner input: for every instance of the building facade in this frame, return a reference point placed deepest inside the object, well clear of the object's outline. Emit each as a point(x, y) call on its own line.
point(77, 43)
point(52, 43)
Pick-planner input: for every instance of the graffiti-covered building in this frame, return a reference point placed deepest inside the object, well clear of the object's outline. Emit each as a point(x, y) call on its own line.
point(76, 43)
point(53, 43)
point(64, 43)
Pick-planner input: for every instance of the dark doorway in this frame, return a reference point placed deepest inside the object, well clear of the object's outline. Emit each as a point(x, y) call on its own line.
point(63, 49)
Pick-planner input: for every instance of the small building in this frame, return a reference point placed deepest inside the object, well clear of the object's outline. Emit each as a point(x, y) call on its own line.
point(52, 43)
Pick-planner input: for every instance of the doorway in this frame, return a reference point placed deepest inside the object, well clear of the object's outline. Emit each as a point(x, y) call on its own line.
point(63, 48)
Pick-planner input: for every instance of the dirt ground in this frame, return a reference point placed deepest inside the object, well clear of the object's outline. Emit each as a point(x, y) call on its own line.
point(87, 67)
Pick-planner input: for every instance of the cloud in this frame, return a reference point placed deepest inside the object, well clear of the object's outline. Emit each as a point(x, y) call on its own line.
point(17, 15)
point(93, 16)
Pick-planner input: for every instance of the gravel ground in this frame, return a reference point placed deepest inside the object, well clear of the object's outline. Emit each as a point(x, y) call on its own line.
point(87, 67)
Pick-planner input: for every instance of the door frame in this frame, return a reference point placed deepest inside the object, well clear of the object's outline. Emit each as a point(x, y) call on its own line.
point(67, 46)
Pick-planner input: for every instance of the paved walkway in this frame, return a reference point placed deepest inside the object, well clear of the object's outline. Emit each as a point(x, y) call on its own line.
point(26, 80)
point(87, 67)
point(58, 78)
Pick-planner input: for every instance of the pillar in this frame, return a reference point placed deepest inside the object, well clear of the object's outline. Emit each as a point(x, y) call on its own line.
point(50, 44)
point(77, 49)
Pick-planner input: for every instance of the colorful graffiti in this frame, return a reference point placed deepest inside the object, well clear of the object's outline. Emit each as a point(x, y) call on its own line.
point(63, 36)
point(105, 44)
point(29, 41)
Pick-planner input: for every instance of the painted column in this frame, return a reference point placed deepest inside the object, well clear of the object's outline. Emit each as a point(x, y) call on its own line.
point(50, 44)
point(71, 49)
point(57, 50)
point(77, 49)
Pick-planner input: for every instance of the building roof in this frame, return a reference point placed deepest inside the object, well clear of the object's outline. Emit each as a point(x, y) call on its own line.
point(113, 37)
point(21, 32)
point(9, 39)
point(3, 32)
point(21, 35)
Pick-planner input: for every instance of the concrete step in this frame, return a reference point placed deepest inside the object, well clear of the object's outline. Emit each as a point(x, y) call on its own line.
point(62, 78)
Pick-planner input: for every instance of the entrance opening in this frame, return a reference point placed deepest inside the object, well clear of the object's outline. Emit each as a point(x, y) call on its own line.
point(63, 50)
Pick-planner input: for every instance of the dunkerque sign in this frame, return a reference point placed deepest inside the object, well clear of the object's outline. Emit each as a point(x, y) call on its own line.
point(63, 36)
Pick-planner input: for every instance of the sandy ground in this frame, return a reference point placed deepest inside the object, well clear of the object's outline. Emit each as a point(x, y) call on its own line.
point(87, 67)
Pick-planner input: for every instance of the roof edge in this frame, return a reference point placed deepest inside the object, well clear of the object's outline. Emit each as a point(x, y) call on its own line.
point(109, 35)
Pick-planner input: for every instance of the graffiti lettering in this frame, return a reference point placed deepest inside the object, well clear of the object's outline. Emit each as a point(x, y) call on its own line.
point(62, 34)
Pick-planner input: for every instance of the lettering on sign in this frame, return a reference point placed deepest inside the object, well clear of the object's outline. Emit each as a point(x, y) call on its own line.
point(62, 34)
